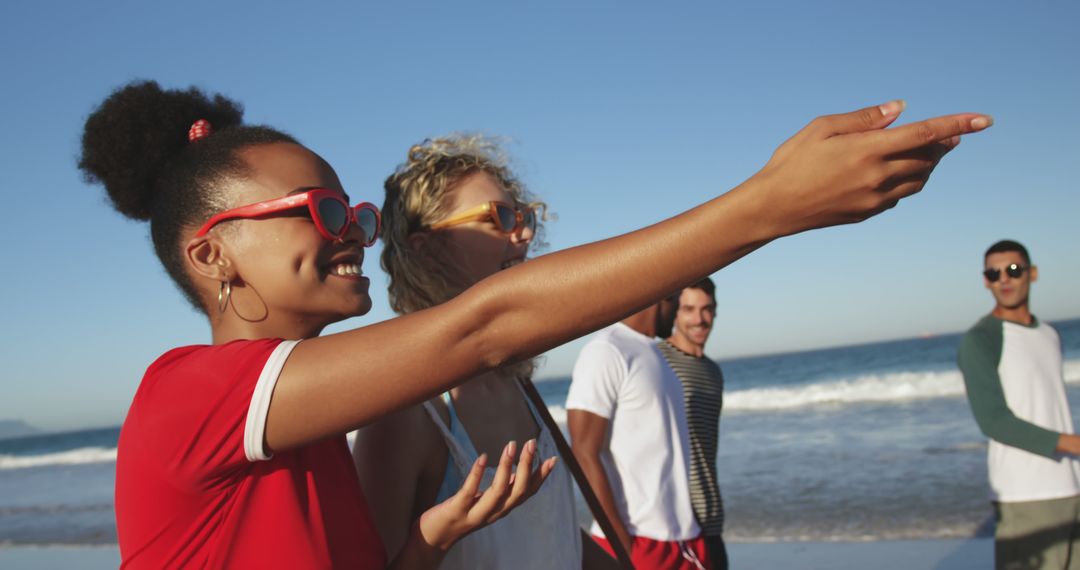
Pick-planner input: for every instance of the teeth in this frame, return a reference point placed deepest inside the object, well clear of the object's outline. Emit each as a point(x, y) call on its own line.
point(345, 269)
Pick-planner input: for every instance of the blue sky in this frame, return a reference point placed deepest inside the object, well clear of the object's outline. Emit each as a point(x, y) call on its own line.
point(617, 113)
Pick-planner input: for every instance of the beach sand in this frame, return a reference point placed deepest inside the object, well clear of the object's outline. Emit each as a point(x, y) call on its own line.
point(971, 554)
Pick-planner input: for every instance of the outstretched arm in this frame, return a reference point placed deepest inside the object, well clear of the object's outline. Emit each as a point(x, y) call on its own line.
point(839, 169)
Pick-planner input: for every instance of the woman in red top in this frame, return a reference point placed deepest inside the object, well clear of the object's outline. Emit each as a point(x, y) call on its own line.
point(233, 454)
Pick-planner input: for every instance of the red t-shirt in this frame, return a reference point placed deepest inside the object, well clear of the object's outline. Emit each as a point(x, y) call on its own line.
point(195, 488)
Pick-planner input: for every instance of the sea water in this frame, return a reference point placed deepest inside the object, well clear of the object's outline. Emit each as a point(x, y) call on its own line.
point(862, 442)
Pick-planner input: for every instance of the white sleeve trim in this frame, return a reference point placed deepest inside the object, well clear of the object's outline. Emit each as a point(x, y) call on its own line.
point(255, 426)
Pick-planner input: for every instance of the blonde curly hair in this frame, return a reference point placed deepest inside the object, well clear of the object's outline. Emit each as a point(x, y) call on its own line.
point(416, 197)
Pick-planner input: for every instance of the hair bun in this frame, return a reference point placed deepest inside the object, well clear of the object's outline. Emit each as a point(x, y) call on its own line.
point(130, 140)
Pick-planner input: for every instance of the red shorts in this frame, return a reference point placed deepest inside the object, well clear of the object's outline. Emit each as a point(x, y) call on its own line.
point(649, 554)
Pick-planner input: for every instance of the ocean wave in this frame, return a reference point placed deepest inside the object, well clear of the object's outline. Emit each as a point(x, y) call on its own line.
point(871, 388)
point(898, 387)
point(894, 387)
point(1072, 371)
point(78, 456)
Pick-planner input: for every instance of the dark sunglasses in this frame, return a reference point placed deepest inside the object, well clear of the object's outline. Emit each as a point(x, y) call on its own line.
point(1013, 270)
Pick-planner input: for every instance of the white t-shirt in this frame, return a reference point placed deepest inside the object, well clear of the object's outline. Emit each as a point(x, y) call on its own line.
point(1032, 380)
point(621, 376)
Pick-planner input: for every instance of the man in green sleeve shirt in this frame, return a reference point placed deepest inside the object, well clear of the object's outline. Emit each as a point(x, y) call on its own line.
point(1012, 366)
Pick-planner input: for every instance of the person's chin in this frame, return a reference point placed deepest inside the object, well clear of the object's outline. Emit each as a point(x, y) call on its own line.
point(363, 307)
point(357, 307)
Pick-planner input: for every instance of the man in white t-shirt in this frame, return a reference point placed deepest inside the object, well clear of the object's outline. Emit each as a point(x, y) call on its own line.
point(628, 429)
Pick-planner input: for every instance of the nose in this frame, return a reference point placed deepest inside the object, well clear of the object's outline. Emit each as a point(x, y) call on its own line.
point(354, 235)
point(523, 236)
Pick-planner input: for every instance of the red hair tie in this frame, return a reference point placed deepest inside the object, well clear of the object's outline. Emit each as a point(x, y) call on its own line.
point(198, 130)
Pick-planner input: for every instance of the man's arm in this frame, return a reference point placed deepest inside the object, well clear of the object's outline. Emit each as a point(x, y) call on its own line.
point(587, 436)
point(980, 354)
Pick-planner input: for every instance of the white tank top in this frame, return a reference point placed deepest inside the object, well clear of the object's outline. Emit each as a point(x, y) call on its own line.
point(541, 534)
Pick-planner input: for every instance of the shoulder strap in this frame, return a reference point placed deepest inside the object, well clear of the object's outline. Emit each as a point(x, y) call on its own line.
point(575, 469)
point(457, 452)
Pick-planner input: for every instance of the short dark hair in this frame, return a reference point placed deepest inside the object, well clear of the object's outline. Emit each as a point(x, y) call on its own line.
point(1009, 245)
point(705, 285)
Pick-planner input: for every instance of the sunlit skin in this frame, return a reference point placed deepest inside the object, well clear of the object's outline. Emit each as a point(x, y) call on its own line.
point(1010, 293)
point(490, 408)
point(693, 321)
point(286, 284)
point(402, 460)
point(478, 248)
point(838, 169)
point(279, 266)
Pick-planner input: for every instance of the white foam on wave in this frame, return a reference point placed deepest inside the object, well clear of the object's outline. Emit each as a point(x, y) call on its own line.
point(79, 456)
point(896, 387)
point(871, 388)
point(1072, 371)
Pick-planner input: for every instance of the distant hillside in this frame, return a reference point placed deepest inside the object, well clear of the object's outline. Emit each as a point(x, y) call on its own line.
point(16, 428)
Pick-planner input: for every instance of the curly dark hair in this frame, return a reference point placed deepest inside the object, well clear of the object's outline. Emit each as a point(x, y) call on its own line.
point(136, 145)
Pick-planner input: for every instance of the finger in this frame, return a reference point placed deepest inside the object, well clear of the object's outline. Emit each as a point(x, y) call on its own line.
point(920, 161)
point(930, 131)
point(541, 475)
point(495, 494)
point(469, 489)
point(913, 168)
point(901, 189)
point(867, 119)
point(521, 479)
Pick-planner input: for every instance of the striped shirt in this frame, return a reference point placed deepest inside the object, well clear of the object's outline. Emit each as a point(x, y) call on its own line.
point(703, 391)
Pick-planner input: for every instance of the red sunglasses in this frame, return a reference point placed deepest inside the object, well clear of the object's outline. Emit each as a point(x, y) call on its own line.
point(331, 214)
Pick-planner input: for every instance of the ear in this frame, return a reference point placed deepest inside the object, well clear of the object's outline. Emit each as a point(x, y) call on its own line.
point(427, 244)
point(206, 257)
point(1033, 273)
point(417, 240)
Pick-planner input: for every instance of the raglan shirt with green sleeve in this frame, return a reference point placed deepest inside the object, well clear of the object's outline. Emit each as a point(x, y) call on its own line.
point(1016, 388)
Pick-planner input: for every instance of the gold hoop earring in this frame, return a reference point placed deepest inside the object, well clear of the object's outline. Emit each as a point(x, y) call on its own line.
point(223, 296)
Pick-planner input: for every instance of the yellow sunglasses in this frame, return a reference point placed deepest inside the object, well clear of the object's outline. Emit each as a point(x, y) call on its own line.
point(507, 218)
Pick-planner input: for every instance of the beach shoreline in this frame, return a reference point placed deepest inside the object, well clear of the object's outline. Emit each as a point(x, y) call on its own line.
point(951, 554)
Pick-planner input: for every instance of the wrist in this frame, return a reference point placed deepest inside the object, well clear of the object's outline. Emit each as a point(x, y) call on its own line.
point(757, 213)
point(426, 544)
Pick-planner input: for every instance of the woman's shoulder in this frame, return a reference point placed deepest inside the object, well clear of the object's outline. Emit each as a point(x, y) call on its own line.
point(236, 351)
point(409, 431)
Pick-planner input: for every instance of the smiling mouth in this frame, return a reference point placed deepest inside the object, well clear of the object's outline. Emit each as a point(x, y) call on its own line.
point(346, 270)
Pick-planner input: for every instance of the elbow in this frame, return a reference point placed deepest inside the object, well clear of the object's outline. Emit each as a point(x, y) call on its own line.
point(488, 330)
point(585, 456)
point(993, 430)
